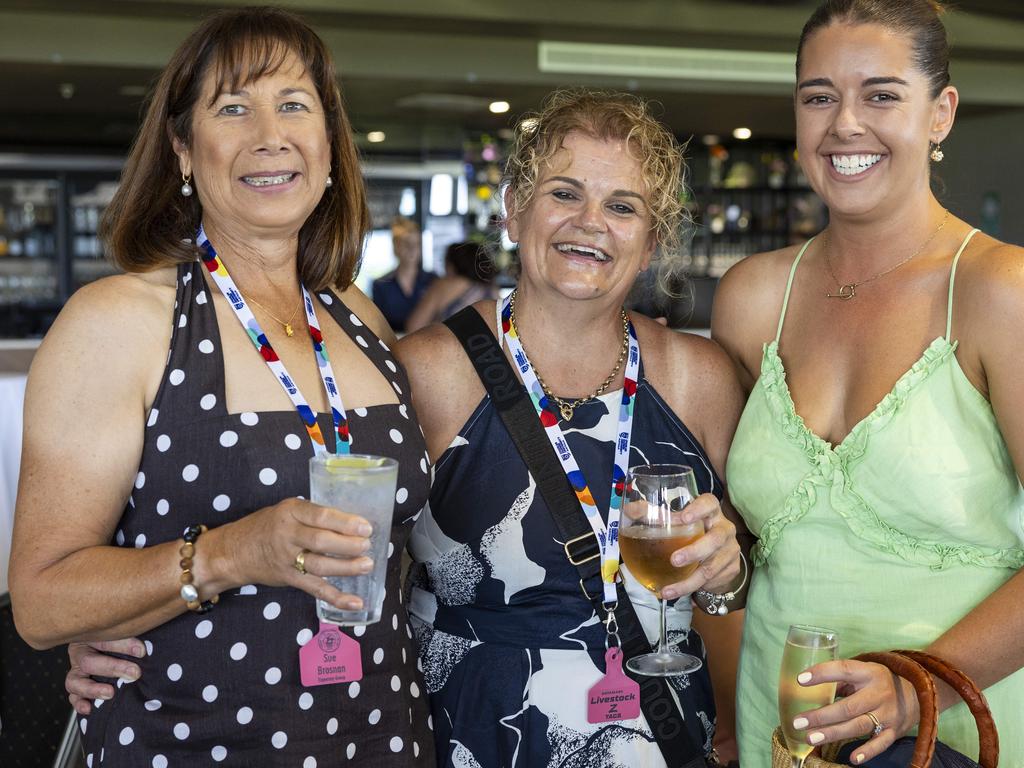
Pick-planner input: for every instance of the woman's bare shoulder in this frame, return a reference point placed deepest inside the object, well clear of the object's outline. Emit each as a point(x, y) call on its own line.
point(445, 386)
point(112, 333)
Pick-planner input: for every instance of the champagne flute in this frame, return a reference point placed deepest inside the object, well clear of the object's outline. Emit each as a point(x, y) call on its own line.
point(650, 530)
point(805, 647)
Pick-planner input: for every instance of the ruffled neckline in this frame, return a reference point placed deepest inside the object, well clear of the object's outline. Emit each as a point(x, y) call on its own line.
point(773, 381)
point(831, 465)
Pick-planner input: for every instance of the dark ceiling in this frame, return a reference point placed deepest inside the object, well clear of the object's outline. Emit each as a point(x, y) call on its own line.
point(478, 50)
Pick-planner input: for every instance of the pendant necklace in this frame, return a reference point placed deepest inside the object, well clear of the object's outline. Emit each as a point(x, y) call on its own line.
point(848, 291)
point(567, 407)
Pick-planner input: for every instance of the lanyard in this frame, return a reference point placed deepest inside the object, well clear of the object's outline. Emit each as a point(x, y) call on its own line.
point(607, 536)
point(227, 286)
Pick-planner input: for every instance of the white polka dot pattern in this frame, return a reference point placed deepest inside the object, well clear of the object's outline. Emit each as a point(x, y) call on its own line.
point(224, 684)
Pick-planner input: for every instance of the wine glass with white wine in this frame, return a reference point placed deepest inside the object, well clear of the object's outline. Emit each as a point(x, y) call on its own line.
point(651, 529)
point(805, 647)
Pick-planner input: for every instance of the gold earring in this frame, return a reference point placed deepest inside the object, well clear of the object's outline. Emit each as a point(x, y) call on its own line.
point(935, 152)
point(186, 187)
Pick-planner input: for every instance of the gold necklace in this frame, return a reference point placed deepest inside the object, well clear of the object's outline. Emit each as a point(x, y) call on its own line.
point(568, 407)
point(287, 325)
point(849, 290)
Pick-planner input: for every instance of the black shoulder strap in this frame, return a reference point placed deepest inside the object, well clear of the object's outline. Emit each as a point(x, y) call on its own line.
point(513, 403)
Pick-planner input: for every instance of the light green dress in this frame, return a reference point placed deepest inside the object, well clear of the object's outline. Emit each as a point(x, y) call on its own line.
point(889, 537)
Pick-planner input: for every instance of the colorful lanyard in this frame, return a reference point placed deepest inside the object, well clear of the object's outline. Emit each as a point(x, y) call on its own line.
point(607, 536)
point(227, 286)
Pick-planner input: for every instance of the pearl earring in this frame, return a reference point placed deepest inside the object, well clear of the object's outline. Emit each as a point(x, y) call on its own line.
point(330, 182)
point(936, 153)
point(186, 188)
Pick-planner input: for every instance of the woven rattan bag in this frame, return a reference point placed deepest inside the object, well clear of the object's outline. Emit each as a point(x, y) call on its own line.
point(915, 666)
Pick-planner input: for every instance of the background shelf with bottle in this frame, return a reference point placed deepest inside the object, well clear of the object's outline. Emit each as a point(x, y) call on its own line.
point(49, 212)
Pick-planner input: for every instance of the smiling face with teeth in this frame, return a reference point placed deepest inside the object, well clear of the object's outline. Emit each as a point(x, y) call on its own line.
point(587, 232)
point(260, 156)
point(865, 118)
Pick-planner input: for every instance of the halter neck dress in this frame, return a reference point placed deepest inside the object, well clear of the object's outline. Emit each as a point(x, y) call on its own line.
point(508, 643)
point(223, 688)
point(889, 537)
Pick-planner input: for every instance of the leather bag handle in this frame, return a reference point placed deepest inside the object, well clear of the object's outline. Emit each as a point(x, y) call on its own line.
point(988, 737)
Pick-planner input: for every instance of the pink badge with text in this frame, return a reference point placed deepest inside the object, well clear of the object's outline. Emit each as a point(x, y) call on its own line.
point(331, 657)
point(615, 697)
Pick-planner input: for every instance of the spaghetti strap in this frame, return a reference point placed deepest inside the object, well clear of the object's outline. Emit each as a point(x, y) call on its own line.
point(789, 287)
point(952, 278)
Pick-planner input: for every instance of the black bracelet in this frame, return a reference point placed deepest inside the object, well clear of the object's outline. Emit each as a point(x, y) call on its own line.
point(189, 592)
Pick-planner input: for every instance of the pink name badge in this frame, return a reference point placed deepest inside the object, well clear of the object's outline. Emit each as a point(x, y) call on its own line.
point(615, 697)
point(330, 657)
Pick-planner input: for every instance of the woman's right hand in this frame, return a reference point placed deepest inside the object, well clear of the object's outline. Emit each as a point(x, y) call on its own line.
point(264, 546)
point(89, 660)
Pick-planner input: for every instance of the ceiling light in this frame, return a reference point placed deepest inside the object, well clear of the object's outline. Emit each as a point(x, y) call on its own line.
point(66, 90)
point(498, 107)
point(741, 133)
point(375, 137)
point(710, 139)
point(646, 61)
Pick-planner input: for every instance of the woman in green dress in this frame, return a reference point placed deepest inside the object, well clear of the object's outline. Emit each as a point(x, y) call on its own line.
point(879, 454)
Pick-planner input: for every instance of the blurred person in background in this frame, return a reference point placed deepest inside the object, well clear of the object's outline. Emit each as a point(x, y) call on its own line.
point(165, 465)
point(398, 292)
point(879, 456)
point(467, 280)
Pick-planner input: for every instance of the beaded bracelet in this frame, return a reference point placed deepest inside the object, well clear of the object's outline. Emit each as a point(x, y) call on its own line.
point(716, 602)
point(189, 593)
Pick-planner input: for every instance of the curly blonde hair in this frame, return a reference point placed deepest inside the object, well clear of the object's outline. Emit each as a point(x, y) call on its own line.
point(607, 115)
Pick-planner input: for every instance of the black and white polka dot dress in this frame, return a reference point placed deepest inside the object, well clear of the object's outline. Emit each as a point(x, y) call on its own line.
point(223, 688)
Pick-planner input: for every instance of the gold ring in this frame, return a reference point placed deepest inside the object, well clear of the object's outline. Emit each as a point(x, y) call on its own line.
point(878, 726)
point(300, 561)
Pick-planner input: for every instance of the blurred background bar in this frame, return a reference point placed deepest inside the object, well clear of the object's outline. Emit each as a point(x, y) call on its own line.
point(433, 89)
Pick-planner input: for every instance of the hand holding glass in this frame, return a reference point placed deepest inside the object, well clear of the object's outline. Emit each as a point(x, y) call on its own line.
point(361, 485)
point(651, 529)
point(805, 647)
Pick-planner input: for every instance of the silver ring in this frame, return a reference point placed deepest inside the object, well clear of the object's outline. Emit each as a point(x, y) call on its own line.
point(878, 727)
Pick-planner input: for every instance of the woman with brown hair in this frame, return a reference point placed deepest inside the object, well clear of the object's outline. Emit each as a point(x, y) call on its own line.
point(879, 455)
point(239, 223)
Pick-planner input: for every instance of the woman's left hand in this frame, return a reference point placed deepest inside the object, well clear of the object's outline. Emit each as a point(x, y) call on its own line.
point(865, 687)
point(717, 552)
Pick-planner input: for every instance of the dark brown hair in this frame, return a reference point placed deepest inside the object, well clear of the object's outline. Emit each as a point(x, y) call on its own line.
point(148, 223)
point(919, 20)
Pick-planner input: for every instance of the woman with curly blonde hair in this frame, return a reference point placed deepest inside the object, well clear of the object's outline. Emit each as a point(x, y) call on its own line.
point(510, 644)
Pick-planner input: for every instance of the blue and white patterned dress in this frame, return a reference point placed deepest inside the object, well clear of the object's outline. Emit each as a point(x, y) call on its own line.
point(508, 644)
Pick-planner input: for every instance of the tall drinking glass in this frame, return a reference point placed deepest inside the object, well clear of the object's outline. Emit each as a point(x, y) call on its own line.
point(650, 530)
point(805, 647)
point(361, 485)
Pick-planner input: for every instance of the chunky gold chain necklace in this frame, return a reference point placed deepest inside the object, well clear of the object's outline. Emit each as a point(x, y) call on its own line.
point(287, 325)
point(849, 290)
point(568, 407)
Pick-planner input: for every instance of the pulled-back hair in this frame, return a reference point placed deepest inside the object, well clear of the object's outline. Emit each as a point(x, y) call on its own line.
point(918, 20)
point(606, 115)
point(147, 221)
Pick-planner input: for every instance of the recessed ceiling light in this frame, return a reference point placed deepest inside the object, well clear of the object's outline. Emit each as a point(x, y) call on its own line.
point(375, 137)
point(498, 107)
point(741, 133)
point(66, 90)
